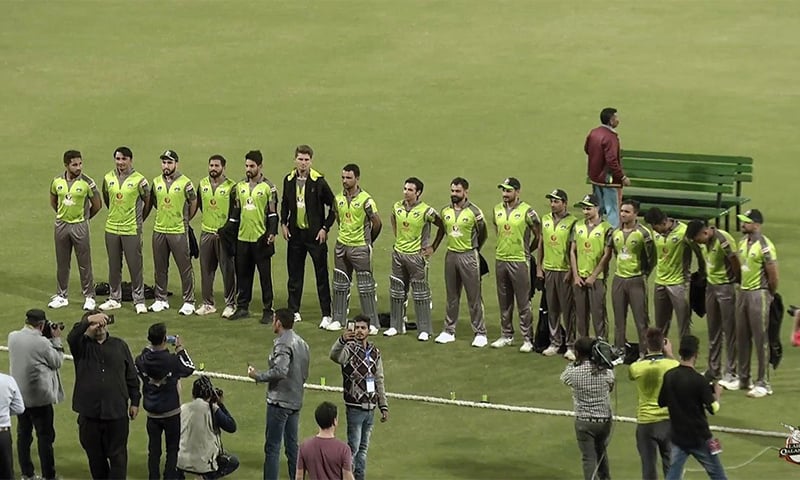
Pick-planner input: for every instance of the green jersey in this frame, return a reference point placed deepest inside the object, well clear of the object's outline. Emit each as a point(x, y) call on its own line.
point(259, 206)
point(674, 255)
point(648, 373)
point(413, 226)
point(215, 203)
point(755, 252)
point(125, 196)
point(171, 199)
point(515, 227)
point(555, 242)
point(463, 227)
point(355, 218)
point(634, 250)
point(590, 244)
point(717, 254)
point(73, 197)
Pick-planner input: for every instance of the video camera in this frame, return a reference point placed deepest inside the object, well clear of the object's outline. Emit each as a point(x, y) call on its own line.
point(47, 329)
point(603, 355)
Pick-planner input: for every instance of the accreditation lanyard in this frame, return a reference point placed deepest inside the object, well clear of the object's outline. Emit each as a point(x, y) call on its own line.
point(370, 379)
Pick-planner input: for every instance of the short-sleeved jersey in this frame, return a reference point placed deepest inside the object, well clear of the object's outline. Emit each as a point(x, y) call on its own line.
point(717, 254)
point(755, 252)
point(171, 201)
point(673, 255)
point(590, 243)
point(257, 203)
point(463, 226)
point(73, 197)
point(648, 373)
point(634, 251)
point(515, 230)
point(126, 196)
point(413, 226)
point(555, 242)
point(215, 203)
point(355, 218)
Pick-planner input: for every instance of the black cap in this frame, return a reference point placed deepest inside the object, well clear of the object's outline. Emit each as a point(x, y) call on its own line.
point(509, 183)
point(589, 200)
point(34, 316)
point(557, 194)
point(751, 216)
point(170, 155)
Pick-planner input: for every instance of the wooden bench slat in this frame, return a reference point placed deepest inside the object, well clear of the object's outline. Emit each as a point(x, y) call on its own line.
point(688, 156)
point(681, 186)
point(686, 213)
point(679, 166)
point(683, 198)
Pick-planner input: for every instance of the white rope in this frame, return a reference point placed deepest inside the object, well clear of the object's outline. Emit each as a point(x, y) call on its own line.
point(483, 405)
point(762, 452)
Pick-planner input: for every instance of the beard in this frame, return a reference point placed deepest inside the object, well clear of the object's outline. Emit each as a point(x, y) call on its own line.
point(455, 198)
point(213, 173)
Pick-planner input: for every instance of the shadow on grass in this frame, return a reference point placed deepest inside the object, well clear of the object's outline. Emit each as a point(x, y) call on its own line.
point(494, 466)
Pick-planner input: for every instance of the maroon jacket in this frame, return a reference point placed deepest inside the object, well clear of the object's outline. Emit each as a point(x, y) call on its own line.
point(605, 164)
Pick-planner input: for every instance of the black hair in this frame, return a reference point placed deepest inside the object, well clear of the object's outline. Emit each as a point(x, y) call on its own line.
point(304, 149)
point(218, 157)
point(460, 181)
point(654, 338)
point(286, 317)
point(655, 216)
point(694, 228)
point(607, 114)
point(416, 182)
point(583, 347)
point(255, 156)
point(325, 414)
point(690, 345)
point(125, 151)
point(361, 318)
point(633, 203)
point(69, 155)
point(352, 167)
point(202, 388)
point(157, 333)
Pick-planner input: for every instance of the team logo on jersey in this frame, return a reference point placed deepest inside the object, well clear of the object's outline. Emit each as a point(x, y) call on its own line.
point(60, 187)
point(665, 251)
point(399, 211)
point(675, 239)
point(564, 227)
point(516, 215)
point(111, 183)
point(597, 234)
point(166, 200)
point(415, 214)
point(553, 238)
point(212, 202)
point(507, 227)
point(791, 450)
point(587, 245)
point(78, 189)
point(222, 191)
point(119, 196)
point(405, 224)
point(465, 220)
point(158, 189)
point(456, 232)
point(546, 224)
point(129, 185)
point(205, 189)
point(178, 188)
point(341, 203)
point(356, 204)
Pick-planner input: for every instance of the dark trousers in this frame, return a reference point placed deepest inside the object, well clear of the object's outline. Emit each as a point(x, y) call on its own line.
point(171, 429)
point(106, 446)
point(652, 439)
point(249, 256)
point(301, 244)
point(6, 456)
point(592, 441)
point(41, 419)
point(282, 425)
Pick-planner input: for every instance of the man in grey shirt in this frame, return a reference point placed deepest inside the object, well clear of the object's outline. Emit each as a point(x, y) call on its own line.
point(288, 371)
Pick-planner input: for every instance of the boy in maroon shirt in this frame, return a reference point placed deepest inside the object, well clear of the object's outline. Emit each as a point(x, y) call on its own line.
point(324, 457)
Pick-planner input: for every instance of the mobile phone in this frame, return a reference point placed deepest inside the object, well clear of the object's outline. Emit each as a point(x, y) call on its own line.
point(351, 326)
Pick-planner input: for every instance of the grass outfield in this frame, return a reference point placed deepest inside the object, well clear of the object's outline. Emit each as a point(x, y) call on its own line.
point(432, 89)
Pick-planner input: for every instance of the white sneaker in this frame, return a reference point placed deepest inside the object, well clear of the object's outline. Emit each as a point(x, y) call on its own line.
point(502, 342)
point(186, 309)
point(159, 306)
point(570, 355)
point(423, 336)
point(228, 311)
point(325, 322)
point(391, 332)
point(526, 347)
point(57, 301)
point(334, 326)
point(89, 304)
point(110, 305)
point(373, 330)
point(731, 383)
point(297, 317)
point(758, 391)
point(480, 341)
point(140, 308)
point(445, 337)
point(206, 310)
point(550, 351)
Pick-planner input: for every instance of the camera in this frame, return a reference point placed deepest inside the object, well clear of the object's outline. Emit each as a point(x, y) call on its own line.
point(47, 330)
point(207, 390)
point(603, 356)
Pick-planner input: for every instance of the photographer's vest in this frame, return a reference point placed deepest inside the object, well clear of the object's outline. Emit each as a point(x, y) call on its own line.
point(215, 203)
point(125, 202)
point(413, 226)
point(72, 196)
point(555, 242)
point(514, 232)
point(199, 444)
point(171, 204)
point(354, 215)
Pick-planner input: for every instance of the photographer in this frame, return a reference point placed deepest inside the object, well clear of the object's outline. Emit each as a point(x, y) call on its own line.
point(35, 357)
point(202, 419)
point(591, 383)
point(160, 371)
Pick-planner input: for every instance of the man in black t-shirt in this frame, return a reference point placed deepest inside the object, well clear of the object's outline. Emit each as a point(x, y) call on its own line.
point(687, 395)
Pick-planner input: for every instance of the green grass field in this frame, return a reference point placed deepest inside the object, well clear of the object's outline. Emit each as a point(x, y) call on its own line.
point(432, 89)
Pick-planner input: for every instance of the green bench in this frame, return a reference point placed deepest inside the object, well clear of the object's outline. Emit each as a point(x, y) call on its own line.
point(688, 186)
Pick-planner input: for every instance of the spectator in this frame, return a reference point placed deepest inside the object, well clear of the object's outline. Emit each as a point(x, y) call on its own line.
point(10, 404)
point(605, 165)
point(324, 456)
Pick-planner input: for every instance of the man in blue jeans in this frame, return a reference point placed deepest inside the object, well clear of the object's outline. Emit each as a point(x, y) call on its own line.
point(604, 164)
point(288, 371)
point(362, 371)
point(688, 395)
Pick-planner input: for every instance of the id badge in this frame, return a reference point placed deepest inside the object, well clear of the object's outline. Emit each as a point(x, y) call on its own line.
point(370, 384)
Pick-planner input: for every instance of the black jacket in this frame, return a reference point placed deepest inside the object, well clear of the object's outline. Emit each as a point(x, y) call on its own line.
point(160, 371)
point(318, 197)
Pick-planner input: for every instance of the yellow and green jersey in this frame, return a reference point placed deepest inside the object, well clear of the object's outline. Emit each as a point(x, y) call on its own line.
point(258, 203)
point(674, 255)
point(755, 252)
point(648, 373)
point(355, 218)
point(634, 251)
point(590, 244)
point(717, 254)
point(515, 230)
point(215, 203)
point(413, 226)
point(171, 201)
point(73, 197)
point(125, 194)
point(555, 242)
point(463, 226)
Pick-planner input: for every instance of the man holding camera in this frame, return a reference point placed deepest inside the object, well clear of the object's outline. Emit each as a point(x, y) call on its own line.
point(202, 421)
point(591, 393)
point(106, 394)
point(34, 361)
point(160, 371)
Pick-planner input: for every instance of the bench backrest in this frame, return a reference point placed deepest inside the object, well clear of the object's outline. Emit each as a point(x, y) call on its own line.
point(687, 172)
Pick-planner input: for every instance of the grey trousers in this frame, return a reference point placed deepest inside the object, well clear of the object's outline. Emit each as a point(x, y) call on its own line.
point(68, 236)
point(461, 271)
point(752, 315)
point(667, 298)
point(178, 245)
point(592, 442)
point(409, 266)
point(514, 283)
point(212, 256)
point(348, 259)
point(560, 303)
point(590, 301)
point(721, 316)
point(629, 292)
point(131, 247)
point(653, 439)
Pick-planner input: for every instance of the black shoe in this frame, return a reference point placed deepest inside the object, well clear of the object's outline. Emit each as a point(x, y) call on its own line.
point(266, 317)
point(239, 314)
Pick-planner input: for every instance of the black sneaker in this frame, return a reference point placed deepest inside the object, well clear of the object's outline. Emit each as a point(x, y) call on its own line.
point(239, 314)
point(266, 317)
